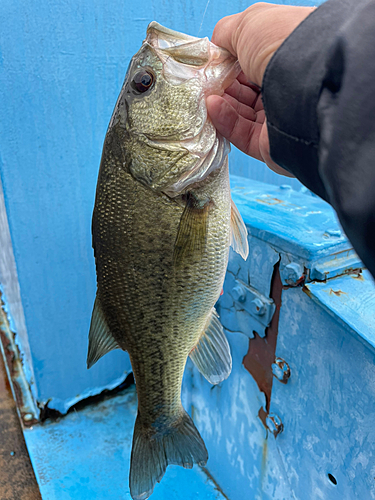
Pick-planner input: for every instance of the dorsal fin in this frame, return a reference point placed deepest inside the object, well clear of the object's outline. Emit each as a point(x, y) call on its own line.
point(238, 236)
point(212, 353)
point(101, 339)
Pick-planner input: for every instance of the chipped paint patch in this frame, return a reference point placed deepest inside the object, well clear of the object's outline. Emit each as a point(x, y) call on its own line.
point(27, 410)
point(261, 354)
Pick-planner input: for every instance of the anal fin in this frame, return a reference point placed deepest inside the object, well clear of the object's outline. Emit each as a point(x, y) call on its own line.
point(238, 236)
point(101, 339)
point(212, 353)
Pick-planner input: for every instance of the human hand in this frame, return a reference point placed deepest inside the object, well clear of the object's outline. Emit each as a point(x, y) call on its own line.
point(239, 116)
point(252, 36)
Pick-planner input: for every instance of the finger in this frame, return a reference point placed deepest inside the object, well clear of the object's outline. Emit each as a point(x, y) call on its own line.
point(243, 79)
point(243, 133)
point(243, 93)
point(223, 32)
point(243, 110)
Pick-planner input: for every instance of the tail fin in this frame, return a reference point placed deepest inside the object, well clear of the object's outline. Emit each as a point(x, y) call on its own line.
point(180, 444)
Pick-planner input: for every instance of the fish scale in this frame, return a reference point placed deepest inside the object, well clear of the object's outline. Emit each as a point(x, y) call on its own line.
point(141, 291)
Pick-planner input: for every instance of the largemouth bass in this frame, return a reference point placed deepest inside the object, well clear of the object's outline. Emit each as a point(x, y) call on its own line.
point(162, 225)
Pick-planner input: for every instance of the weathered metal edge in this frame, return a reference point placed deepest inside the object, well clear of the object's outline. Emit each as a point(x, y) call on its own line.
point(27, 410)
point(10, 288)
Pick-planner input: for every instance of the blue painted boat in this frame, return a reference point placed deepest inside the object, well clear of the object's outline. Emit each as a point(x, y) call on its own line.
point(295, 418)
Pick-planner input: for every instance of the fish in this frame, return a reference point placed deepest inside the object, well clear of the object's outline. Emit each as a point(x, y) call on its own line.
point(162, 225)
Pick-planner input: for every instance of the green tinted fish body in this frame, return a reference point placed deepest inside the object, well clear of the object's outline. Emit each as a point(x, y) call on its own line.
point(162, 225)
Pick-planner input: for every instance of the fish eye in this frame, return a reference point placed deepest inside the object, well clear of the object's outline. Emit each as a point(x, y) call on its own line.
point(142, 81)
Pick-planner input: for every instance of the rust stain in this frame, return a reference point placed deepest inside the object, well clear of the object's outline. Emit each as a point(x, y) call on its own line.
point(263, 469)
point(357, 271)
point(359, 276)
point(13, 363)
point(261, 354)
point(353, 270)
point(262, 414)
point(5, 388)
point(307, 291)
point(270, 201)
point(17, 479)
point(337, 292)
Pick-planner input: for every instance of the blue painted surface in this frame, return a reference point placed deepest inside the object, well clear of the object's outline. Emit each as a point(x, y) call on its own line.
point(327, 409)
point(86, 456)
point(352, 301)
point(327, 406)
point(326, 335)
point(296, 228)
point(61, 68)
point(291, 221)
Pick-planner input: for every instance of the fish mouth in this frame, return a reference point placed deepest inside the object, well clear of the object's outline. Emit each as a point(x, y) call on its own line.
point(185, 57)
point(170, 37)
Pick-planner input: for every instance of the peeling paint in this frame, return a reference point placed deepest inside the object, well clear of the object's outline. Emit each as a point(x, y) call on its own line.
point(261, 354)
point(27, 411)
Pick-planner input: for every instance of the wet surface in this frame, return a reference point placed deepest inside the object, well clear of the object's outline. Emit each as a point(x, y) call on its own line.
point(17, 480)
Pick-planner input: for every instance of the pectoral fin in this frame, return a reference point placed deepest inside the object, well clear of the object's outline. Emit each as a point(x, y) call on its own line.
point(212, 353)
point(238, 236)
point(192, 231)
point(101, 339)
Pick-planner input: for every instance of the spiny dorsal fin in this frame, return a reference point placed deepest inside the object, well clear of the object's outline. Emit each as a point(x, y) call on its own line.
point(192, 231)
point(101, 340)
point(238, 235)
point(212, 353)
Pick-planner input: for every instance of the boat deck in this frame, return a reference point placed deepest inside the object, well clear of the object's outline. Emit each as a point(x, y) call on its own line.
point(85, 455)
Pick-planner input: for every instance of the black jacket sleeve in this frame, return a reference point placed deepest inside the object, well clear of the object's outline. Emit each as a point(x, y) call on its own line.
point(319, 99)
